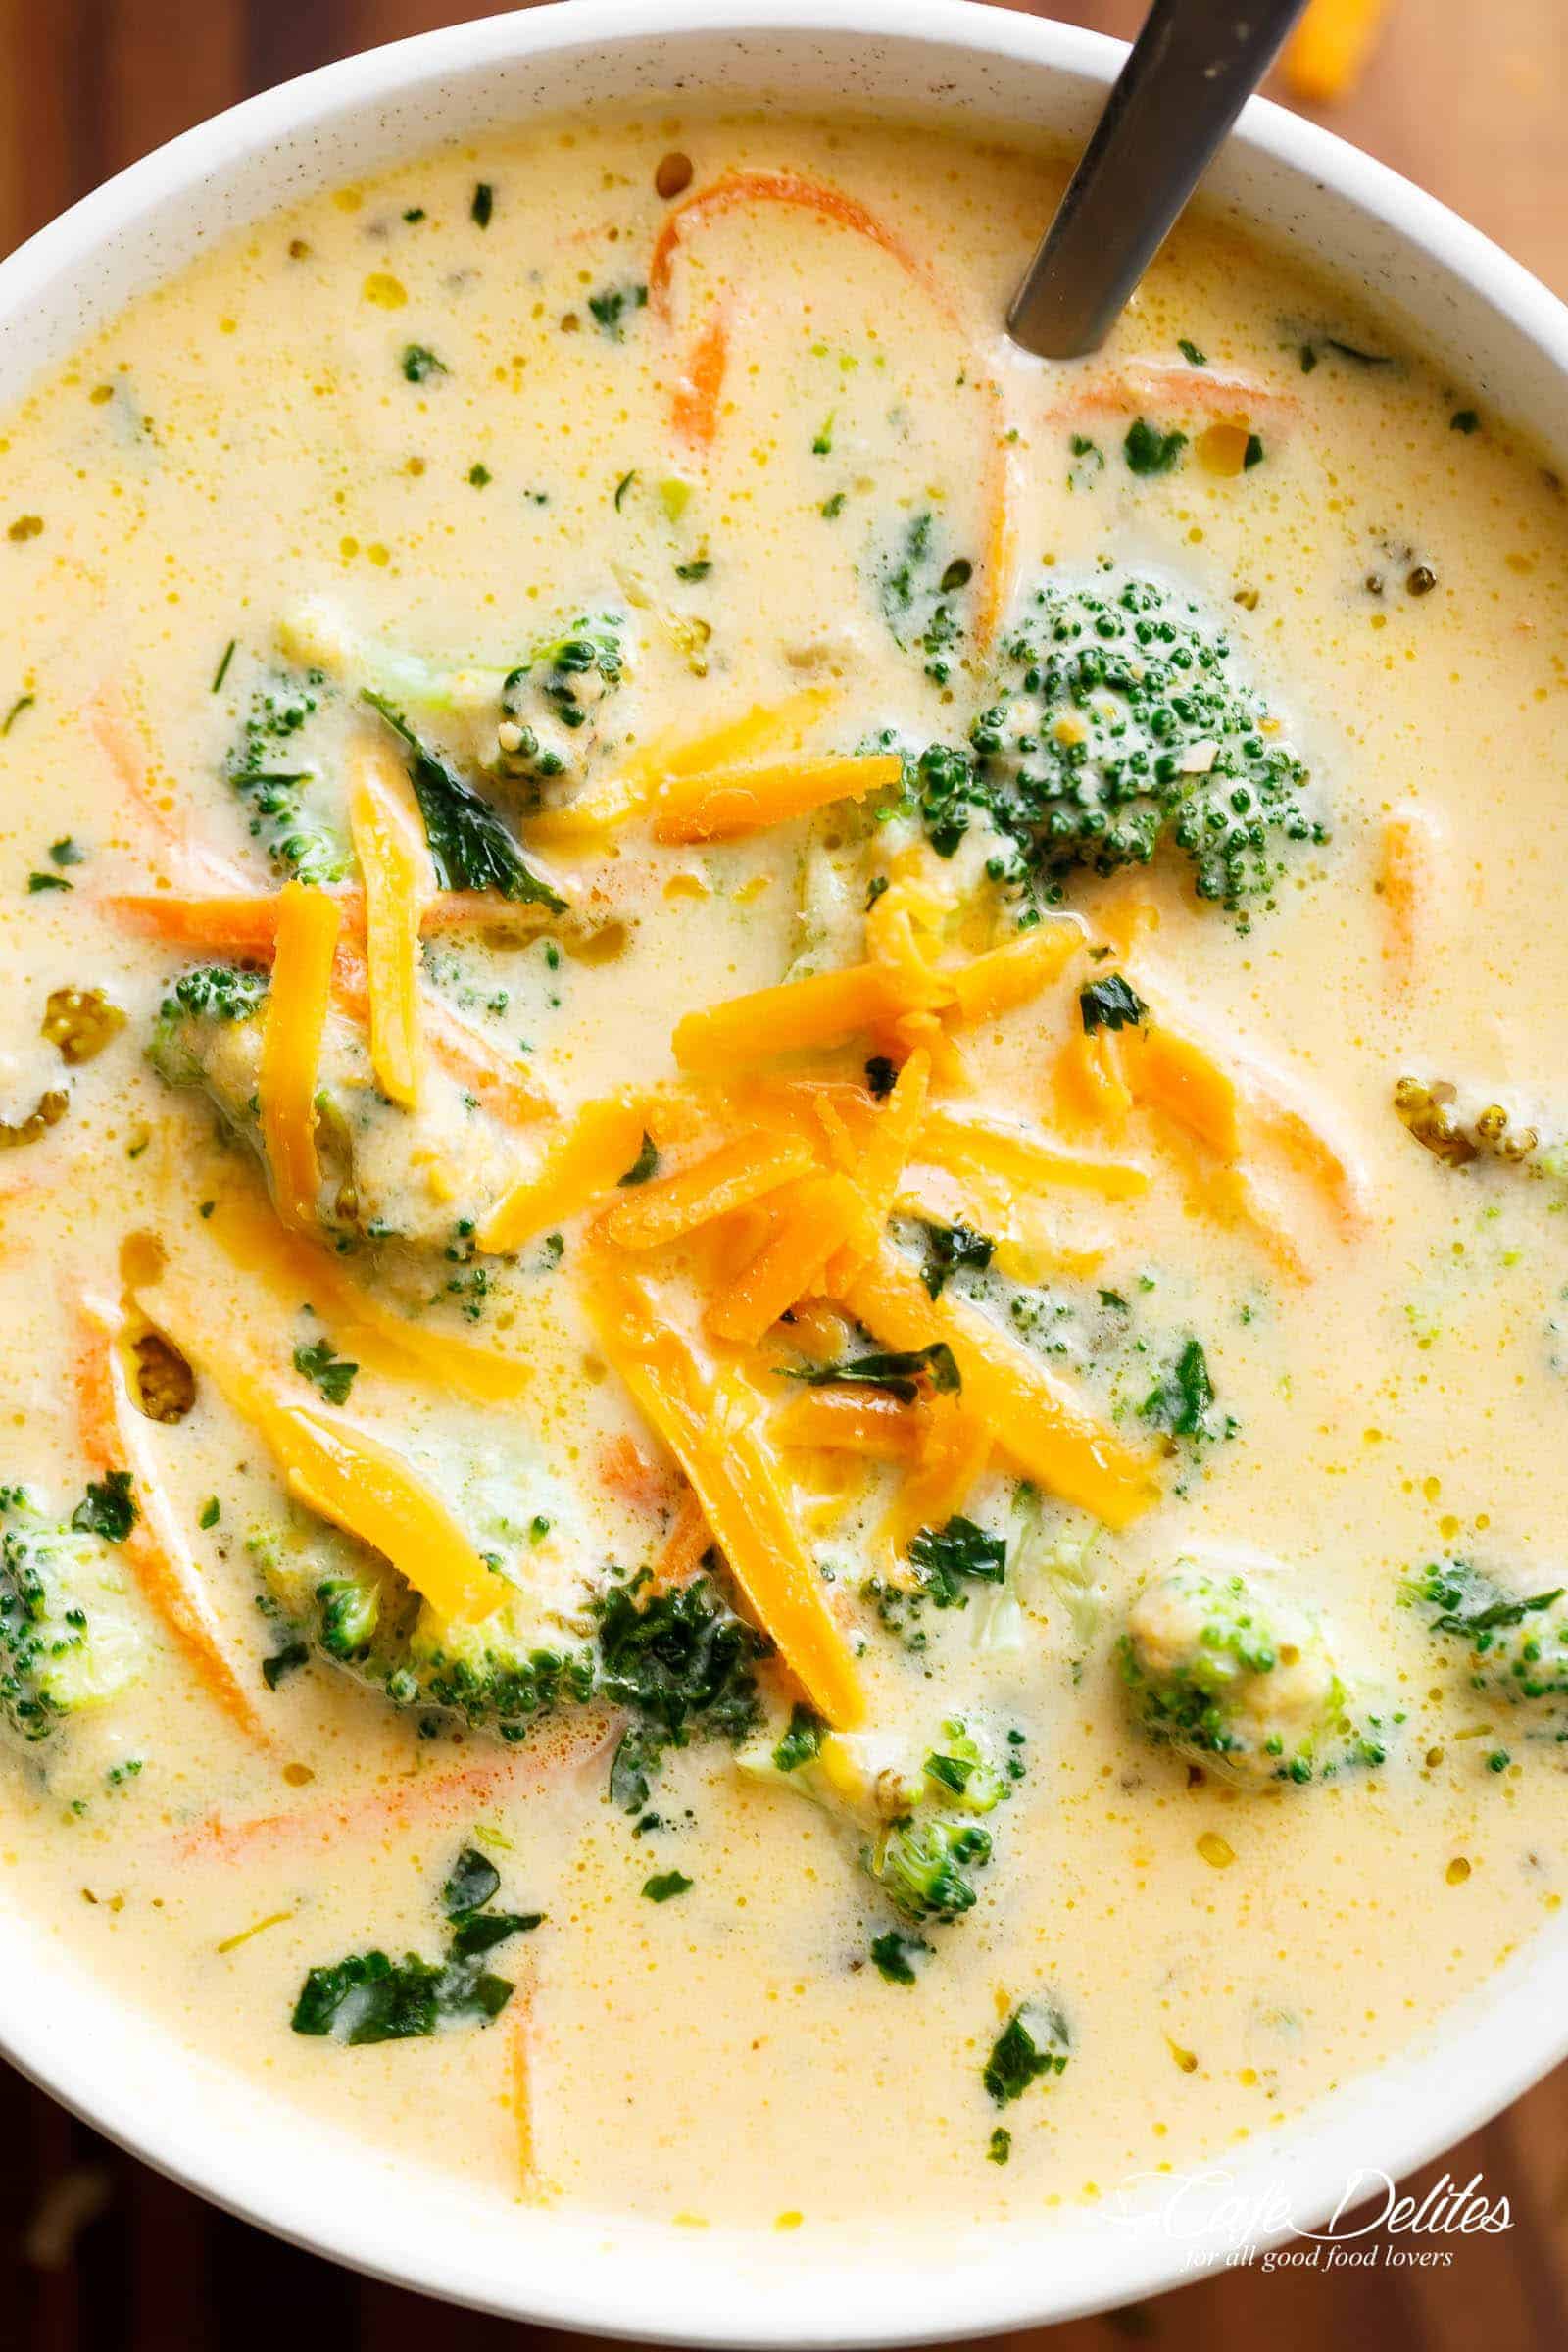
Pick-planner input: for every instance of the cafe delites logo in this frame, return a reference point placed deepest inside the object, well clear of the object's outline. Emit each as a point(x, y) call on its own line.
point(1374, 2225)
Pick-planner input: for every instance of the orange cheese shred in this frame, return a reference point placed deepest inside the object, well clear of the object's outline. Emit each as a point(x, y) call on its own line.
point(1036, 1421)
point(1325, 55)
point(714, 1430)
point(308, 927)
point(1022, 1159)
point(578, 1169)
point(724, 804)
point(743, 1169)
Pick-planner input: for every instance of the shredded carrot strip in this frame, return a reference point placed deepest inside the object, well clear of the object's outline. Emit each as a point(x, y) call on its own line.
point(1042, 1426)
point(686, 1546)
point(841, 1422)
point(776, 187)
point(245, 921)
point(1022, 1159)
point(1325, 55)
point(115, 731)
point(396, 868)
point(694, 404)
point(308, 926)
point(295, 1269)
point(629, 1473)
point(826, 1009)
point(714, 1434)
point(578, 1169)
point(813, 1218)
point(743, 1169)
point(955, 1448)
point(113, 1437)
point(422, 1796)
point(1405, 885)
point(727, 803)
point(501, 1081)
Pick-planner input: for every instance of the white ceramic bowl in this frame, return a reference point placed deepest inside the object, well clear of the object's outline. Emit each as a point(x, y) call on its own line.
point(1506, 342)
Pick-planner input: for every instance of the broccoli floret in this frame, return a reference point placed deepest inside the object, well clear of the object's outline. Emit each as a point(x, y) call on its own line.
point(898, 1799)
point(1517, 1644)
point(680, 1662)
point(1223, 1671)
point(67, 1639)
point(375, 1158)
point(919, 1864)
point(284, 789)
point(1429, 1109)
point(550, 703)
point(920, 587)
point(1121, 729)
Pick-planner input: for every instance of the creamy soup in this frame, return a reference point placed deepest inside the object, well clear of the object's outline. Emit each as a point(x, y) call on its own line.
point(783, 1183)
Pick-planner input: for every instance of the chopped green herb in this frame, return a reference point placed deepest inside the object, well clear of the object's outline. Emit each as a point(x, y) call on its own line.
point(1464, 420)
point(37, 882)
point(222, 671)
point(1182, 1399)
point(480, 476)
point(24, 701)
point(608, 310)
point(832, 508)
point(473, 1883)
point(1001, 2145)
point(66, 852)
point(284, 1661)
point(951, 1249)
point(1191, 353)
point(330, 1373)
point(881, 1075)
point(1362, 359)
point(471, 848)
point(1308, 358)
point(823, 446)
point(483, 205)
point(624, 485)
point(1033, 2043)
point(1253, 453)
point(892, 1955)
point(210, 1513)
point(1149, 451)
point(801, 1740)
point(900, 1372)
point(645, 1163)
point(666, 1884)
point(108, 1509)
point(1109, 1003)
point(420, 364)
point(415, 212)
point(961, 1548)
point(698, 569)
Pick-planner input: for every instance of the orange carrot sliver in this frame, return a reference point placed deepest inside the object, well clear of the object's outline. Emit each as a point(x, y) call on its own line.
point(396, 868)
point(726, 804)
point(170, 1583)
point(694, 406)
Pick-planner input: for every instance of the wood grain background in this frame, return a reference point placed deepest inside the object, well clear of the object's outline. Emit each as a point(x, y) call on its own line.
point(98, 2254)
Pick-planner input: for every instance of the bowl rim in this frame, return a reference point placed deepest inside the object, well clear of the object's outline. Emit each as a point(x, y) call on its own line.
point(1478, 2051)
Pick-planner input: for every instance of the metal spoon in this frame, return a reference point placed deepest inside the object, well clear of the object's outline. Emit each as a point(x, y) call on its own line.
point(1192, 70)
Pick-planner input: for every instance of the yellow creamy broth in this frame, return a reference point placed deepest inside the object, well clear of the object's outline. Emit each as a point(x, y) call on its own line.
point(248, 444)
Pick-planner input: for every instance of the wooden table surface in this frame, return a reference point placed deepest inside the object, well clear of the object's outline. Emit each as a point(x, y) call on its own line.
point(98, 2254)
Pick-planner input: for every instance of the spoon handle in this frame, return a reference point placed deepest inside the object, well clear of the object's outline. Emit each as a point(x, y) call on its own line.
point(1191, 71)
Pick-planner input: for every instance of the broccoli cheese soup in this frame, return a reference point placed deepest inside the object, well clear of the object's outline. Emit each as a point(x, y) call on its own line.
point(783, 1183)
